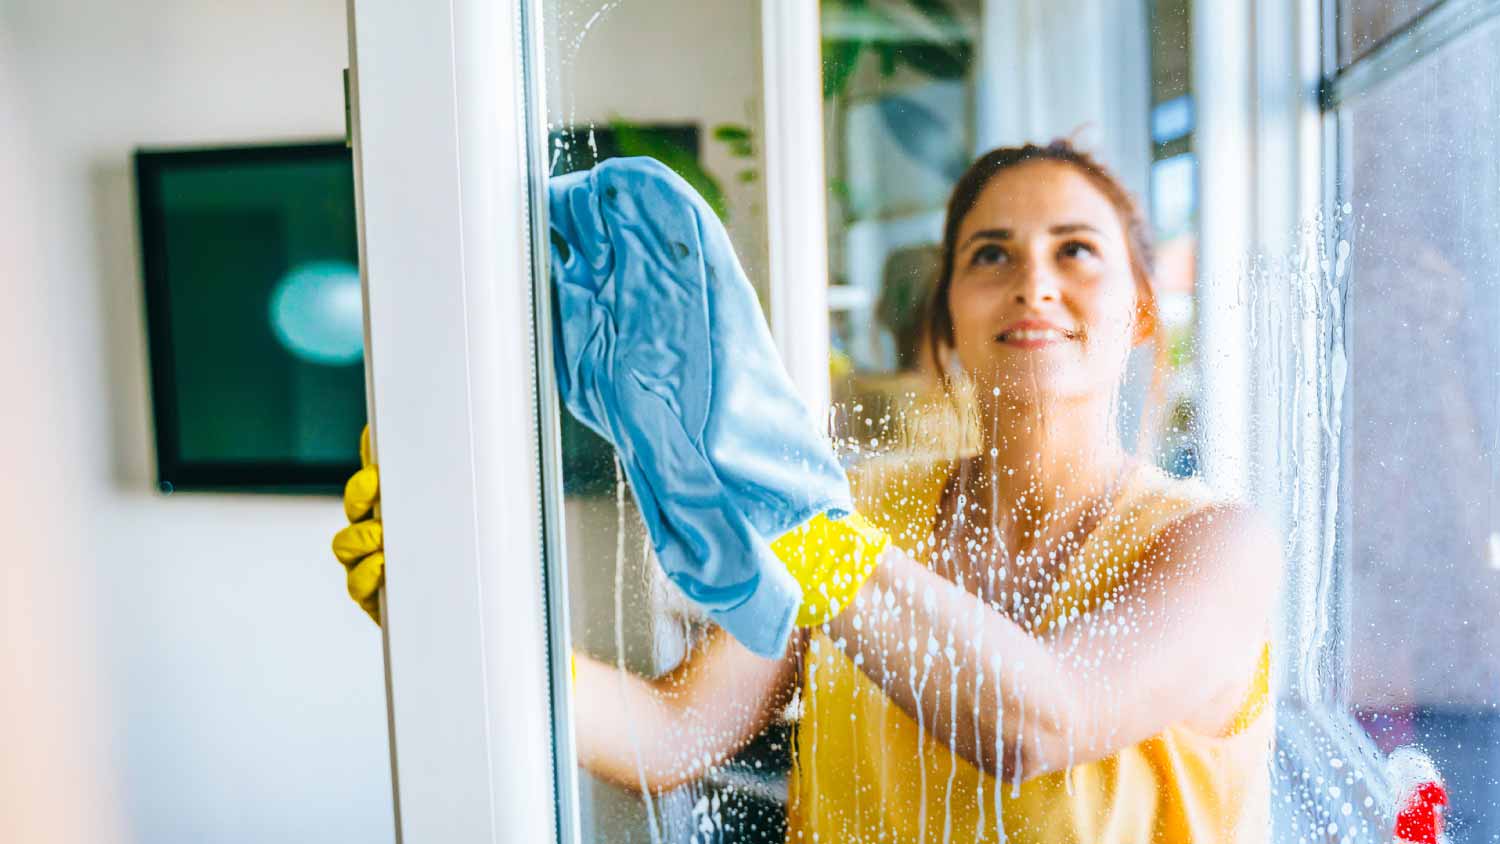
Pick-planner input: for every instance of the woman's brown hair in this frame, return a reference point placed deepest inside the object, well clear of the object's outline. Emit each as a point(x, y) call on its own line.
point(939, 322)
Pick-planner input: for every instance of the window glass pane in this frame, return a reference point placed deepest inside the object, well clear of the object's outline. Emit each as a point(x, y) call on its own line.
point(913, 96)
point(1172, 203)
point(1029, 454)
point(900, 116)
point(1424, 517)
point(1171, 54)
point(678, 81)
point(1363, 23)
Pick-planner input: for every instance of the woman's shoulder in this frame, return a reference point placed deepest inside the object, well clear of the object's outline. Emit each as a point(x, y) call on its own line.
point(1155, 506)
point(1173, 517)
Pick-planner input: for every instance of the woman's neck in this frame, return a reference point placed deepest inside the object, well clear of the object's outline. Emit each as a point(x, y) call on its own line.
point(1042, 471)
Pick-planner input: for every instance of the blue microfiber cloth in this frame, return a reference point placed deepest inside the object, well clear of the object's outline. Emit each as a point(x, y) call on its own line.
point(662, 349)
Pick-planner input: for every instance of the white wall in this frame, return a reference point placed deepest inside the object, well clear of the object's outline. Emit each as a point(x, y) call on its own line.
point(180, 668)
point(667, 61)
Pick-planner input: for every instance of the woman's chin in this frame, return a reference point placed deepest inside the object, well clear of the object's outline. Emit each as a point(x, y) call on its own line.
point(1035, 387)
point(1033, 375)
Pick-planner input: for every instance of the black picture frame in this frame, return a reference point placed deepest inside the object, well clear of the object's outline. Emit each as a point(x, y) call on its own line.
point(175, 472)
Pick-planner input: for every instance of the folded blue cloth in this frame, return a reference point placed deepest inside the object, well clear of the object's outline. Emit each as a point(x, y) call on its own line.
point(662, 349)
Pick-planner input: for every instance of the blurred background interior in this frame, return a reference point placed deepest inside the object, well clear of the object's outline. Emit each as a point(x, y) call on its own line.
point(181, 377)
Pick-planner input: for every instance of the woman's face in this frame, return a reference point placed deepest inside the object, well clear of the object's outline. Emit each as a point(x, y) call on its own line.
point(1042, 298)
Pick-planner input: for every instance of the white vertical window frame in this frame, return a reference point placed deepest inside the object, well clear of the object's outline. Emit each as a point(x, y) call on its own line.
point(440, 135)
point(442, 112)
point(1261, 155)
point(1297, 458)
point(1270, 327)
point(796, 200)
point(1223, 102)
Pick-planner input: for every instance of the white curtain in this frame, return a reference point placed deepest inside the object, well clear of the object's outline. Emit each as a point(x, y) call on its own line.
point(1053, 68)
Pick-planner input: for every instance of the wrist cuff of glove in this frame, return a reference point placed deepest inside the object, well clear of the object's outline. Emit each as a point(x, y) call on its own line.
point(830, 559)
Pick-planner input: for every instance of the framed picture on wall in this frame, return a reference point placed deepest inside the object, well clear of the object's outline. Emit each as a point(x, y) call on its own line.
point(255, 316)
point(254, 308)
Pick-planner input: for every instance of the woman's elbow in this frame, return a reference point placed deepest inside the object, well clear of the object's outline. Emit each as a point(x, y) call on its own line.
point(1045, 740)
point(1021, 761)
point(1004, 757)
point(1005, 761)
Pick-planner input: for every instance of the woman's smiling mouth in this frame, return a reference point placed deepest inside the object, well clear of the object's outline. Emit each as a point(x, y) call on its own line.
point(1034, 334)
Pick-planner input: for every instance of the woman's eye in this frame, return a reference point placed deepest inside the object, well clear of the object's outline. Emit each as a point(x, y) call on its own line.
point(1078, 249)
point(988, 254)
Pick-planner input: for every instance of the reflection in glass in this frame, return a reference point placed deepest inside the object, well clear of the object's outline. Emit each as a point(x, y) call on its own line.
point(317, 315)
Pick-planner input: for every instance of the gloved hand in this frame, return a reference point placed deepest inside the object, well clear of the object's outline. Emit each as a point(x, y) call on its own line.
point(663, 350)
point(830, 559)
point(361, 545)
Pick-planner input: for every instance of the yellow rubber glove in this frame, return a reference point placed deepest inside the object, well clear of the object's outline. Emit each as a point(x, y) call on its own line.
point(361, 545)
point(831, 559)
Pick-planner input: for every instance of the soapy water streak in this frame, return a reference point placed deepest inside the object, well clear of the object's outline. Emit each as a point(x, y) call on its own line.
point(565, 29)
point(579, 37)
point(619, 594)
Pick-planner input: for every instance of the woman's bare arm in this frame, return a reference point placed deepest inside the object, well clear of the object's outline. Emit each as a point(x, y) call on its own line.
point(658, 734)
point(1176, 645)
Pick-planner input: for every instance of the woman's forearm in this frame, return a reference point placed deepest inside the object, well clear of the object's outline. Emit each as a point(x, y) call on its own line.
point(1177, 642)
point(623, 728)
point(975, 680)
point(657, 734)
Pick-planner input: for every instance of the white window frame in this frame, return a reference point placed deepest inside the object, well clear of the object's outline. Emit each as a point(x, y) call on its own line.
point(1260, 144)
point(796, 198)
point(446, 104)
point(440, 133)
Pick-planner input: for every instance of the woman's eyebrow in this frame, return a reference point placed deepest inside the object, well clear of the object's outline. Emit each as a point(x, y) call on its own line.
point(987, 234)
point(1007, 234)
point(1069, 228)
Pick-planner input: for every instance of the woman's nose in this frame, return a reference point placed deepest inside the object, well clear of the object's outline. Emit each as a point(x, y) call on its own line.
point(1037, 287)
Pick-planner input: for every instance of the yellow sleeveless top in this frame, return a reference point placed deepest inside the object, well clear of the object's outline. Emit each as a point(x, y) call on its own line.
point(865, 772)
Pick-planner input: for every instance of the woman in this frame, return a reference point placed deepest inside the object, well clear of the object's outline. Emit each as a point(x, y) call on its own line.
point(1060, 644)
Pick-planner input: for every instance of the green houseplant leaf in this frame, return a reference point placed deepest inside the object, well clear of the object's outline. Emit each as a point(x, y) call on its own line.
point(630, 139)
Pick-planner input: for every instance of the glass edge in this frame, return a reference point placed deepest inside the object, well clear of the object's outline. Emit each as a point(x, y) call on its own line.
point(553, 564)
